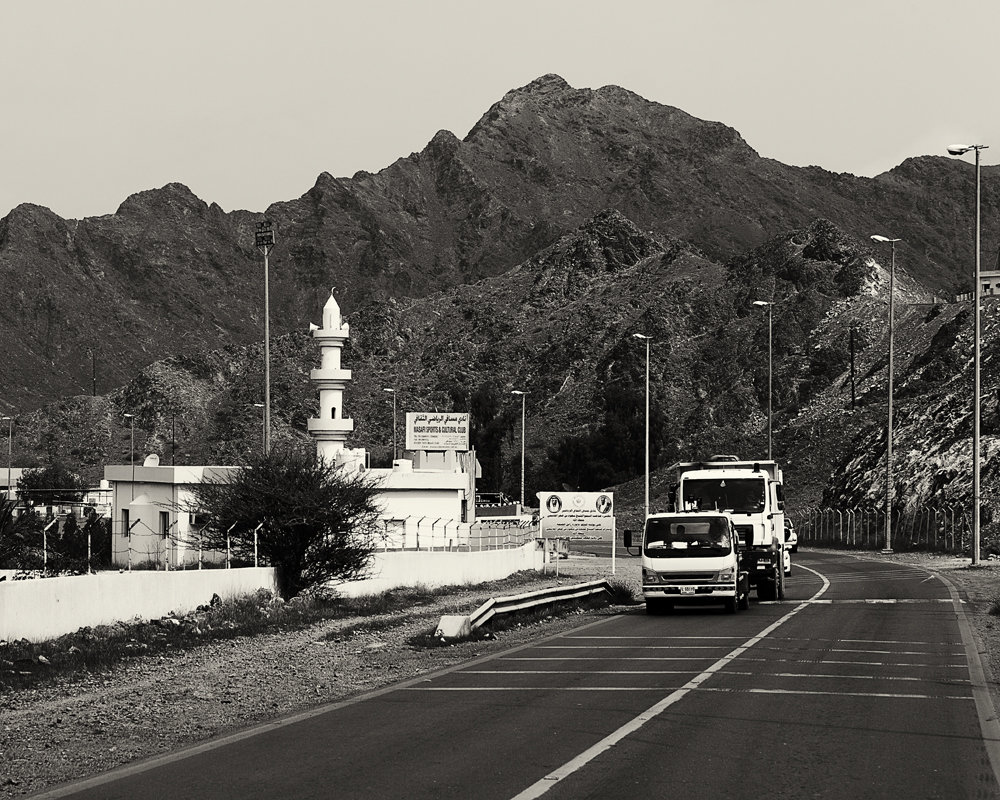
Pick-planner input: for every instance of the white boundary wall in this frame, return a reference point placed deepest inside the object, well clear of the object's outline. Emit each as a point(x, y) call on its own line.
point(433, 569)
point(46, 608)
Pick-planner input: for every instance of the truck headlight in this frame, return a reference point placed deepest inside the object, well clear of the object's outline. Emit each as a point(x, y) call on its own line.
point(726, 575)
point(649, 576)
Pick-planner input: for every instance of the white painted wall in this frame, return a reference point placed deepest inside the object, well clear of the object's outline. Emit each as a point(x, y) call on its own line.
point(408, 568)
point(46, 608)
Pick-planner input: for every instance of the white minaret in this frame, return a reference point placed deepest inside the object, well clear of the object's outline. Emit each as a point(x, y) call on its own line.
point(332, 428)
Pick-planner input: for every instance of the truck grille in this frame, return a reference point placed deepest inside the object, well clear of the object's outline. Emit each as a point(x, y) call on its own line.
point(682, 578)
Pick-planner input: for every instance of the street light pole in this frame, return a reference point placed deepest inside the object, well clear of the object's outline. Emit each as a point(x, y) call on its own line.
point(263, 426)
point(957, 150)
point(264, 241)
point(393, 393)
point(888, 436)
point(770, 352)
point(131, 451)
point(647, 339)
point(523, 395)
point(10, 439)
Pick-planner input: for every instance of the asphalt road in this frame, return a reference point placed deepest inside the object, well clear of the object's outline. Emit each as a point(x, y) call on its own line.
point(858, 685)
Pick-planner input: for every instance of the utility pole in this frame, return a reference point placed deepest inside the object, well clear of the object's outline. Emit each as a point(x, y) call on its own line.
point(264, 241)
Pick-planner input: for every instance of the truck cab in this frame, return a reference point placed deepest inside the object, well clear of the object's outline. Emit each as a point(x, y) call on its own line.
point(691, 558)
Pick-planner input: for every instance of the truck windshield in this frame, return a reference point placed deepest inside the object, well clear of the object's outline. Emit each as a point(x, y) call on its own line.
point(740, 495)
point(692, 536)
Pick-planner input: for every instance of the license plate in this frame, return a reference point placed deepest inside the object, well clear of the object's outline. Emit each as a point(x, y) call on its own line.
point(687, 590)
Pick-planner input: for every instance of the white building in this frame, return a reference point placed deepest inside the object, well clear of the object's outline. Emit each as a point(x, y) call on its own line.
point(8, 480)
point(433, 488)
point(148, 523)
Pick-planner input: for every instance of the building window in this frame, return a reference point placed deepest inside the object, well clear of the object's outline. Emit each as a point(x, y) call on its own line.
point(164, 524)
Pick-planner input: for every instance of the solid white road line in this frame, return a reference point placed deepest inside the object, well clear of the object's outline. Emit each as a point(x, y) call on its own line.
point(540, 787)
point(683, 689)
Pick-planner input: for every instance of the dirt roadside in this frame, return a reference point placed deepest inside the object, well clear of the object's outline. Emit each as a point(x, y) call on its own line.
point(153, 705)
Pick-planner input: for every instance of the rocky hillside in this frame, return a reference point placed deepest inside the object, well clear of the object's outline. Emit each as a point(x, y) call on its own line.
point(559, 325)
point(93, 302)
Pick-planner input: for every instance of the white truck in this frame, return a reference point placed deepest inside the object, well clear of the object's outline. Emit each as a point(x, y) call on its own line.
point(691, 558)
point(750, 493)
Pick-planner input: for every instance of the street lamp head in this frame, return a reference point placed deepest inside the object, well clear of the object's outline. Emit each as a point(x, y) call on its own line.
point(641, 336)
point(884, 239)
point(518, 391)
point(129, 416)
point(390, 391)
point(762, 303)
point(962, 149)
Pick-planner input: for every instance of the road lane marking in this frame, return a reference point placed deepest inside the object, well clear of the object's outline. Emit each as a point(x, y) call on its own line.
point(631, 646)
point(587, 672)
point(667, 638)
point(866, 641)
point(610, 658)
point(883, 695)
point(891, 652)
point(888, 601)
point(978, 672)
point(769, 660)
point(685, 690)
point(732, 672)
point(858, 663)
point(542, 786)
point(913, 679)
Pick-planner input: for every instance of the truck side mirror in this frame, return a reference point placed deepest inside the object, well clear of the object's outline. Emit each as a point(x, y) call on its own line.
point(627, 538)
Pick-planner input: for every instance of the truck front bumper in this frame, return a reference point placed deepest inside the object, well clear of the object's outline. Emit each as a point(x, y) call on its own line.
point(657, 591)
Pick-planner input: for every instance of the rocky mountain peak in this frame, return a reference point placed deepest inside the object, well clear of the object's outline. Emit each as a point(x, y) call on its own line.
point(172, 200)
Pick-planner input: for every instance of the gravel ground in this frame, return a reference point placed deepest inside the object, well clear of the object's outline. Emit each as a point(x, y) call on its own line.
point(153, 705)
point(157, 704)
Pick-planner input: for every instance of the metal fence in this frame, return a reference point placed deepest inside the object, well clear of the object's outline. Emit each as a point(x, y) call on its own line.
point(945, 529)
point(424, 533)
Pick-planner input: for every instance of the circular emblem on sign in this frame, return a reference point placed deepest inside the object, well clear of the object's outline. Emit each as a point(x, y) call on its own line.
point(553, 504)
point(603, 504)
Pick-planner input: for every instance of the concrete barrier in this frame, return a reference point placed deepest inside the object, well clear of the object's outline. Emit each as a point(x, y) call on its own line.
point(50, 607)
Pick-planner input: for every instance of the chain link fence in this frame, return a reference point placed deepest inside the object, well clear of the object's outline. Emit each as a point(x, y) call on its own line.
point(943, 529)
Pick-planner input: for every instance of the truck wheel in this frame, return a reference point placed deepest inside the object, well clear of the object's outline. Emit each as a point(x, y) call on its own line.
point(780, 584)
point(743, 590)
point(766, 590)
point(657, 606)
point(731, 605)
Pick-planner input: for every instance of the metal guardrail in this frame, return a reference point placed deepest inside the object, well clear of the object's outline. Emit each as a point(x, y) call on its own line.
point(542, 597)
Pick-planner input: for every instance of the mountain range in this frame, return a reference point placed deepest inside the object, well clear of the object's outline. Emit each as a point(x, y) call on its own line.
point(524, 255)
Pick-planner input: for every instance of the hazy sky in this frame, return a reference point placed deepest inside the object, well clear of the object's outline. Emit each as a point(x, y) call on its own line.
point(246, 102)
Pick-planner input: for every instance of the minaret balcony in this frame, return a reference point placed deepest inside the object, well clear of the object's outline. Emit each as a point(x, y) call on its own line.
point(340, 425)
point(332, 335)
point(330, 375)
